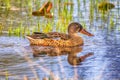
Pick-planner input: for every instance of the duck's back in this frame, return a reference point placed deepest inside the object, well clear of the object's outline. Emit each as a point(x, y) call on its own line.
point(49, 39)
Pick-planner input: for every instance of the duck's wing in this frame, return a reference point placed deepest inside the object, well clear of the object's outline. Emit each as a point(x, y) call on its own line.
point(59, 35)
point(39, 35)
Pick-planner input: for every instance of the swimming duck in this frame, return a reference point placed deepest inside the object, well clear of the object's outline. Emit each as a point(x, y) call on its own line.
point(65, 40)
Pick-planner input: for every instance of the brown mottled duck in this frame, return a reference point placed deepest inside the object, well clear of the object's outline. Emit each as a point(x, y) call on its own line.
point(56, 39)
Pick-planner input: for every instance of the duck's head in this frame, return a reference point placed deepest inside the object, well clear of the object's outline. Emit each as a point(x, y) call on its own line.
point(76, 27)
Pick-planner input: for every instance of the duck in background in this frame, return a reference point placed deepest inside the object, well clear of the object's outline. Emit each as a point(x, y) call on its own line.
point(44, 10)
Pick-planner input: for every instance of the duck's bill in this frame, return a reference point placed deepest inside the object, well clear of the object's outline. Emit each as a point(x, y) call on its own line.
point(83, 31)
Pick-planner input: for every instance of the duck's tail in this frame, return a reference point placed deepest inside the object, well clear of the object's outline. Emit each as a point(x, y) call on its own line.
point(30, 39)
point(34, 41)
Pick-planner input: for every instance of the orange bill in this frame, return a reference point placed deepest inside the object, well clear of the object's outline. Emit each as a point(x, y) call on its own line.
point(83, 31)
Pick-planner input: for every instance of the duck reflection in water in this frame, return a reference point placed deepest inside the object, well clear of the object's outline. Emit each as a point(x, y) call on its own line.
point(72, 52)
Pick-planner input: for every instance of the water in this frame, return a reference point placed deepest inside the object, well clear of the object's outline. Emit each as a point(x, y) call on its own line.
point(16, 55)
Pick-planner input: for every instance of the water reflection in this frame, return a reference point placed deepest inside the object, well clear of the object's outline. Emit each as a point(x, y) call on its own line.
point(72, 52)
point(112, 55)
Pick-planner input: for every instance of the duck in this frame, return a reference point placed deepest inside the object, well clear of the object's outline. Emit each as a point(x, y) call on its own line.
point(57, 39)
point(44, 10)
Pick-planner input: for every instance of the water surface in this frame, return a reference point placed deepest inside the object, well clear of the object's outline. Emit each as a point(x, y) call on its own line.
point(16, 55)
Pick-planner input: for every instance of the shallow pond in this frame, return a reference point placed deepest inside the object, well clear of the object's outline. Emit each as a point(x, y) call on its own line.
point(17, 56)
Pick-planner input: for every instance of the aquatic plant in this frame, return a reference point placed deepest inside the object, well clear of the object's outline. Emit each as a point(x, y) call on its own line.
point(10, 28)
point(6, 76)
point(112, 23)
point(7, 3)
point(29, 6)
point(1, 28)
point(68, 3)
point(91, 10)
point(48, 27)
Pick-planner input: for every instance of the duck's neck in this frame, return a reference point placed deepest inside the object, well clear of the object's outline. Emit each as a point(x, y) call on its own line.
point(74, 35)
point(76, 39)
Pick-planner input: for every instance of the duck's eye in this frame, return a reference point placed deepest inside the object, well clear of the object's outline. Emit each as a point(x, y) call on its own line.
point(79, 30)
